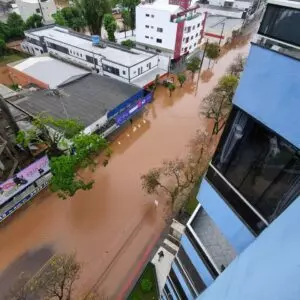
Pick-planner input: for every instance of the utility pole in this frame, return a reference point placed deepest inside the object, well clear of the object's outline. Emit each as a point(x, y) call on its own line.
point(200, 67)
point(221, 33)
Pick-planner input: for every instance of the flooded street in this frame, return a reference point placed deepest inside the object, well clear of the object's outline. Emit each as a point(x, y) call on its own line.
point(112, 226)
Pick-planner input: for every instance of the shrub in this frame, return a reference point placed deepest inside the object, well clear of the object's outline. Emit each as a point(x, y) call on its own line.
point(146, 285)
point(128, 43)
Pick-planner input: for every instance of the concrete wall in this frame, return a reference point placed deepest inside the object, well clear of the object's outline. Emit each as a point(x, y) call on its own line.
point(161, 19)
point(237, 234)
point(268, 268)
point(269, 90)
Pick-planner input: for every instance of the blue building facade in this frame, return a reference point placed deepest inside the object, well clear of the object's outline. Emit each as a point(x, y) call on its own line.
point(250, 193)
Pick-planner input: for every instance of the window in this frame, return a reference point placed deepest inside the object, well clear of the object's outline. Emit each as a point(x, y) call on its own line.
point(177, 284)
point(152, 16)
point(159, 29)
point(147, 26)
point(159, 41)
point(185, 49)
point(195, 45)
point(198, 25)
point(152, 27)
point(124, 72)
point(228, 4)
point(38, 11)
point(197, 34)
point(190, 47)
point(146, 36)
point(149, 65)
point(187, 40)
point(147, 15)
point(58, 48)
point(277, 23)
point(91, 59)
point(112, 70)
point(192, 37)
point(158, 50)
point(151, 38)
point(261, 165)
point(193, 27)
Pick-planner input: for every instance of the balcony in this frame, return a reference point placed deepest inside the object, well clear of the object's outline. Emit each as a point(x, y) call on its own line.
point(213, 241)
point(242, 208)
point(186, 15)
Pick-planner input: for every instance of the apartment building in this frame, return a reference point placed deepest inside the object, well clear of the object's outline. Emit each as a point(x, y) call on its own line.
point(169, 27)
point(44, 8)
point(104, 58)
point(252, 184)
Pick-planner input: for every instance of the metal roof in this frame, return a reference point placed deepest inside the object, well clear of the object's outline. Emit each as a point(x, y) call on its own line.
point(86, 99)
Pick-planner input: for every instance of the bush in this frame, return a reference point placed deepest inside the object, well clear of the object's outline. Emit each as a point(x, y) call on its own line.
point(128, 43)
point(146, 285)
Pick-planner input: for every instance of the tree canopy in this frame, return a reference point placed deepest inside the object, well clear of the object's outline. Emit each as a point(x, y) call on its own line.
point(212, 51)
point(193, 64)
point(15, 25)
point(130, 5)
point(2, 47)
point(34, 21)
point(93, 12)
point(128, 43)
point(70, 17)
point(69, 150)
point(110, 26)
point(181, 78)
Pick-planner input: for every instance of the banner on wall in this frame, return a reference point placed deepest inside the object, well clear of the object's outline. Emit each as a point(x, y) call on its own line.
point(128, 113)
point(24, 178)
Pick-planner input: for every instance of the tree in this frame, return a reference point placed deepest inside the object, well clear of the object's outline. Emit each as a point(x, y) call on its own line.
point(128, 43)
point(94, 11)
point(110, 26)
point(126, 20)
point(130, 5)
point(181, 78)
point(70, 17)
point(193, 65)
point(2, 47)
point(57, 279)
point(228, 84)
point(34, 21)
point(212, 52)
point(15, 25)
point(237, 66)
point(171, 88)
point(21, 289)
point(69, 150)
point(175, 178)
point(4, 31)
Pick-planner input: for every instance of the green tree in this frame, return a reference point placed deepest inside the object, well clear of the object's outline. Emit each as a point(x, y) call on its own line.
point(110, 26)
point(70, 17)
point(171, 88)
point(126, 20)
point(181, 78)
point(228, 84)
point(34, 21)
point(93, 12)
point(212, 52)
point(237, 66)
point(2, 47)
point(4, 31)
point(63, 138)
point(128, 43)
point(130, 5)
point(15, 25)
point(193, 65)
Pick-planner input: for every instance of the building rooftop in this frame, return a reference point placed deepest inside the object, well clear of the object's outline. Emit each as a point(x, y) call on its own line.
point(162, 5)
point(213, 240)
point(115, 53)
point(214, 24)
point(58, 72)
point(86, 99)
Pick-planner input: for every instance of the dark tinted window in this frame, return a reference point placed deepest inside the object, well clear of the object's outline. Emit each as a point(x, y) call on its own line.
point(281, 23)
point(58, 48)
point(260, 164)
point(91, 59)
point(177, 284)
point(111, 70)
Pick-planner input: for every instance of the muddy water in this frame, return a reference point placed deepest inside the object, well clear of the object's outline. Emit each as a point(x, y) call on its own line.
point(110, 226)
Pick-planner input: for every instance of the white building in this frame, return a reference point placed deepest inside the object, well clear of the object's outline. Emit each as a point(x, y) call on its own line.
point(44, 8)
point(169, 27)
point(106, 58)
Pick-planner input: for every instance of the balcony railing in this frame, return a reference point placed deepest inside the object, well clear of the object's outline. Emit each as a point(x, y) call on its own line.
point(243, 209)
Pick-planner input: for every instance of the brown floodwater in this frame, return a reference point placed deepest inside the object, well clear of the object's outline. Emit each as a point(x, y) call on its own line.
point(111, 226)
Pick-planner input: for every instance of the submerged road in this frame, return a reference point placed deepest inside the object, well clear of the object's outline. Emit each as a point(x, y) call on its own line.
point(111, 226)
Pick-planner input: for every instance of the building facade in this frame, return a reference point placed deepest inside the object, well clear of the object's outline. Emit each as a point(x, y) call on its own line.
point(44, 8)
point(171, 28)
point(253, 179)
point(104, 58)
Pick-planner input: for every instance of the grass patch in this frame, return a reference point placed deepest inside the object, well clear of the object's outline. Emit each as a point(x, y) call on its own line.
point(137, 292)
point(11, 57)
point(192, 202)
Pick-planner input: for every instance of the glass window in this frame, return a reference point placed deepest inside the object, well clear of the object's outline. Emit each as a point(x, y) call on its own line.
point(146, 36)
point(260, 164)
point(147, 15)
point(147, 26)
point(280, 23)
point(159, 29)
point(112, 70)
point(159, 41)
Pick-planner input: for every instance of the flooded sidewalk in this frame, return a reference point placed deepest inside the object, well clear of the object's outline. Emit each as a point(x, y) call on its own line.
point(111, 226)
